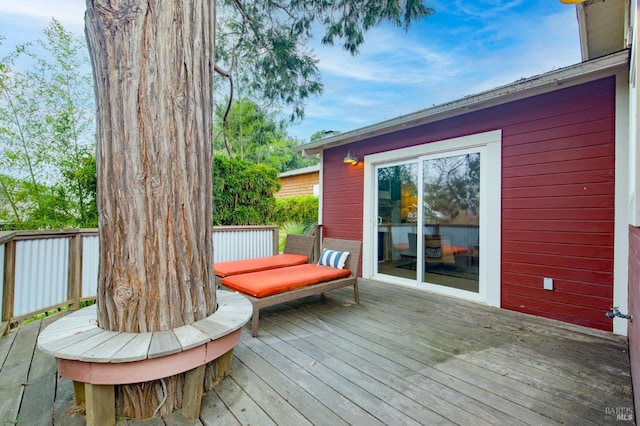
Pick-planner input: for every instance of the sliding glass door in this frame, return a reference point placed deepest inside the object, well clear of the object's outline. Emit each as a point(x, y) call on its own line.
point(428, 220)
point(451, 220)
point(397, 217)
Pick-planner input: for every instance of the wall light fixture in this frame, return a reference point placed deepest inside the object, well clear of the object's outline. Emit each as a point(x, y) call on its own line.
point(350, 159)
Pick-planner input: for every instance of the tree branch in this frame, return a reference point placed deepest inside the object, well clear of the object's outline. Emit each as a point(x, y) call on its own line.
point(229, 76)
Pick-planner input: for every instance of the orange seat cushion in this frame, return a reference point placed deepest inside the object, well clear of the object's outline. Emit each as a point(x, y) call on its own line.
point(273, 281)
point(455, 250)
point(234, 267)
point(401, 246)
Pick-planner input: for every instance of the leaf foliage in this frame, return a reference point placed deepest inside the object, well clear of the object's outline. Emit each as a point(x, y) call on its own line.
point(46, 134)
point(243, 192)
point(265, 44)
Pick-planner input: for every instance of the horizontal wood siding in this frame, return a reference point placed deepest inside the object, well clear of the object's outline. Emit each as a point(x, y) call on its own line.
point(343, 186)
point(558, 207)
point(293, 186)
point(557, 203)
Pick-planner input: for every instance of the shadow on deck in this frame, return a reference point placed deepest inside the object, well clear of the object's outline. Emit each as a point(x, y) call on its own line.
point(400, 357)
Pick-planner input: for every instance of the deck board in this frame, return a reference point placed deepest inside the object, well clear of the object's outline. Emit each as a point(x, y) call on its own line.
point(290, 392)
point(410, 378)
point(420, 373)
point(65, 411)
point(39, 394)
point(347, 411)
point(15, 371)
point(241, 405)
point(370, 395)
point(276, 405)
point(371, 376)
point(214, 412)
point(400, 357)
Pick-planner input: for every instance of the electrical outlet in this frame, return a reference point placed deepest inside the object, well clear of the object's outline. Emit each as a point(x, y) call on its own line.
point(548, 283)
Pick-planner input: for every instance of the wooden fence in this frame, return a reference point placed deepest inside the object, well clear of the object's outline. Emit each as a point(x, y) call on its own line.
point(46, 270)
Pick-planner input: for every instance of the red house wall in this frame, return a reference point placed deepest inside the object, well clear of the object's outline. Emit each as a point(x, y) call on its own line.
point(557, 196)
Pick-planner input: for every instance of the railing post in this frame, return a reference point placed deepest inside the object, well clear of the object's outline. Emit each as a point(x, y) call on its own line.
point(8, 288)
point(276, 239)
point(317, 233)
point(74, 289)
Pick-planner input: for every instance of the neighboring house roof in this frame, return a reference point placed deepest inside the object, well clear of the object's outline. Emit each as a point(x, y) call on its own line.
point(604, 27)
point(302, 171)
point(521, 89)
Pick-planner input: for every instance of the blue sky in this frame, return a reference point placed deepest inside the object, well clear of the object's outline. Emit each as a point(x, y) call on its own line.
point(465, 48)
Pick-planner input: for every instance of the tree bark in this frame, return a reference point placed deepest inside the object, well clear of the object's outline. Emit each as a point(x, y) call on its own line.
point(153, 64)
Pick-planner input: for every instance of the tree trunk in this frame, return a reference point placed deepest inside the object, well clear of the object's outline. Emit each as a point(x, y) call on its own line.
point(153, 66)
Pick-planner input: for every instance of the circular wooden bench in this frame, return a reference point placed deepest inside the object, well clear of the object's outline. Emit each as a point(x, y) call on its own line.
point(97, 359)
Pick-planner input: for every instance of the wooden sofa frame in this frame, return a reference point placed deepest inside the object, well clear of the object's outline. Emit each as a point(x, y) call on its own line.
point(299, 244)
point(353, 247)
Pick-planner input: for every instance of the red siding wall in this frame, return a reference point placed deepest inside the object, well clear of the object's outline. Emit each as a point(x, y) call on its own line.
point(343, 188)
point(557, 196)
point(634, 309)
point(558, 210)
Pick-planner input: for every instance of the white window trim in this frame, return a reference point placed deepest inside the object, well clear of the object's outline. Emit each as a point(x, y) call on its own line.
point(490, 213)
point(626, 187)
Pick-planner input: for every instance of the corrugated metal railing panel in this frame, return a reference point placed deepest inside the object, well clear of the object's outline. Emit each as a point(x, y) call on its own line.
point(42, 272)
point(42, 263)
point(242, 244)
point(90, 247)
point(1, 274)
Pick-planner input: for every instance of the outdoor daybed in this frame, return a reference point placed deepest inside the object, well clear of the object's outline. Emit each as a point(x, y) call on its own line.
point(297, 250)
point(274, 286)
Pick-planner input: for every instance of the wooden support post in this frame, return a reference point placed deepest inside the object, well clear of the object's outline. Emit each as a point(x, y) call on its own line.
point(74, 287)
point(9, 284)
point(192, 392)
point(275, 238)
point(317, 233)
point(223, 364)
point(78, 392)
point(101, 405)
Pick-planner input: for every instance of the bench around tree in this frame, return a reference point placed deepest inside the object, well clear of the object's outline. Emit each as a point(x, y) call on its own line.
point(97, 359)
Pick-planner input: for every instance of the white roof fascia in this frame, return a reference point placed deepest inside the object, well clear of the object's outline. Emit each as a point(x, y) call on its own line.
point(521, 89)
point(582, 30)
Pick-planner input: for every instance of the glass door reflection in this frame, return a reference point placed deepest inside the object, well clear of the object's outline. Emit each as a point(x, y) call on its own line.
point(397, 214)
point(451, 219)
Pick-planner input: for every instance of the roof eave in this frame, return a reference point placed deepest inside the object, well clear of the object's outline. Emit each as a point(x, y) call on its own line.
point(310, 169)
point(544, 83)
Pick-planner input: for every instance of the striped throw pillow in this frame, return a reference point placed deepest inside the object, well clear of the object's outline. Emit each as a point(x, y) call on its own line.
point(333, 258)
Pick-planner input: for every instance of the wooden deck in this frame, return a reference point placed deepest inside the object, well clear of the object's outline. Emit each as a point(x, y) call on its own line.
point(400, 357)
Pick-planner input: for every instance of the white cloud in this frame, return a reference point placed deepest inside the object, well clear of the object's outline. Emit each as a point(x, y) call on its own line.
point(439, 61)
point(23, 21)
point(387, 57)
point(542, 48)
point(465, 48)
point(485, 9)
point(68, 12)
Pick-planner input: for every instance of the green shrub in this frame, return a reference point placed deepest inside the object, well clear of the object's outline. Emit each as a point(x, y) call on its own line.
point(301, 209)
point(243, 192)
point(300, 228)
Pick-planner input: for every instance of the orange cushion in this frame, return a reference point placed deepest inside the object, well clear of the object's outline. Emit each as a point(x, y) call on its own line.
point(455, 250)
point(234, 267)
point(273, 281)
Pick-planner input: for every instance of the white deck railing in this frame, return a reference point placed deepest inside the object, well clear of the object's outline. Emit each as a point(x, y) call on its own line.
point(44, 270)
